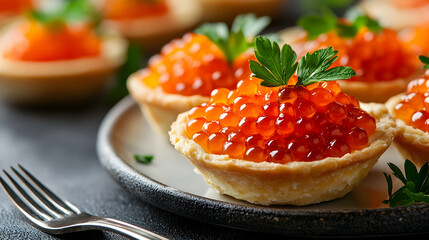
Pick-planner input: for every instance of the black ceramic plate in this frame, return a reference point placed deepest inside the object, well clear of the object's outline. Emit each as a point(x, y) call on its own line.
point(170, 183)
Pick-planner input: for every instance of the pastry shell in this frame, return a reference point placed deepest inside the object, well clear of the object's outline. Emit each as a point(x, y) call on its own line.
point(378, 91)
point(393, 17)
point(412, 143)
point(60, 82)
point(294, 183)
point(160, 108)
point(154, 31)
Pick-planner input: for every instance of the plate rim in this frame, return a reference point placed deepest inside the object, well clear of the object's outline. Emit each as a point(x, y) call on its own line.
point(231, 214)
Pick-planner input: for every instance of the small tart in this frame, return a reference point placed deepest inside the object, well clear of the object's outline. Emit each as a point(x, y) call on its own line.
point(412, 143)
point(154, 31)
point(395, 17)
point(377, 91)
point(294, 183)
point(227, 10)
point(63, 81)
point(159, 107)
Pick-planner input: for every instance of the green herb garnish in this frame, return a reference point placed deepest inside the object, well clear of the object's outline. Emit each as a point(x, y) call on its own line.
point(416, 185)
point(316, 25)
point(69, 12)
point(425, 61)
point(145, 159)
point(276, 67)
point(235, 41)
point(133, 63)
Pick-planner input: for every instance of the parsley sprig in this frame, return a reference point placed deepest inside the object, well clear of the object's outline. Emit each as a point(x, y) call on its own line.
point(69, 12)
point(276, 67)
point(416, 185)
point(316, 25)
point(235, 41)
point(425, 61)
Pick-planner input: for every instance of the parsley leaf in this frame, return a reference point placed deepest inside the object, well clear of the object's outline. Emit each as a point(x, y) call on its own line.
point(145, 159)
point(276, 67)
point(416, 185)
point(425, 60)
point(68, 12)
point(316, 25)
point(234, 42)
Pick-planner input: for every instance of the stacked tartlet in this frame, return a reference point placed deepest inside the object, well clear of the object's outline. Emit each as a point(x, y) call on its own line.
point(187, 70)
point(383, 63)
point(151, 22)
point(57, 57)
point(280, 143)
point(411, 111)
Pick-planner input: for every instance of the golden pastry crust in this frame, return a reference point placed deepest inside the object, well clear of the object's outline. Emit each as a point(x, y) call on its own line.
point(154, 31)
point(160, 108)
point(378, 91)
point(390, 16)
point(227, 10)
point(412, 143)
point(294, 183)
point(63, 81)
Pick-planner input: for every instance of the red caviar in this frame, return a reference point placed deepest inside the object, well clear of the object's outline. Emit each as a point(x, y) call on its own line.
point(15, 6)
point(134, 9)
point(298, 124)
point(34, 41)
point(194, 65)
point(414, 106)
point(374, 56)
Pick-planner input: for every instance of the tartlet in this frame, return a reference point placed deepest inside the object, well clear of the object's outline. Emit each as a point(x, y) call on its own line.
point(295, 183)
point(185, 72)
point(27, 78)
point(154, 30)
point(412, 143)
point(397, 14)
point(412, 138)
point(381, 87)
point(272, 165)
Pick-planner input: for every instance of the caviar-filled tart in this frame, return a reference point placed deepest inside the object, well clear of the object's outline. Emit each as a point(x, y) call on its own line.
point(226, 10)
point(411, 112)
point(279, 143)
point(397, 14)
point(57, 57)
point(384, 64)
point(186, 71)
point(151, 22)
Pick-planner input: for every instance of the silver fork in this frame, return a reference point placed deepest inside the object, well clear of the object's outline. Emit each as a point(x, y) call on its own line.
point(51, 214)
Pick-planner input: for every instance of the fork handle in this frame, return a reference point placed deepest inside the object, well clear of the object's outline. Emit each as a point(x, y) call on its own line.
point(125, 229)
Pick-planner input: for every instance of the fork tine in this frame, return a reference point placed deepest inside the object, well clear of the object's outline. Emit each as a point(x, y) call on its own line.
point(30, 212)
point(53, 207)
point(54, 198)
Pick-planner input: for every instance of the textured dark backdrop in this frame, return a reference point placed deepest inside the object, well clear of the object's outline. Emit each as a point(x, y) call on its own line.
point(58, 146)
